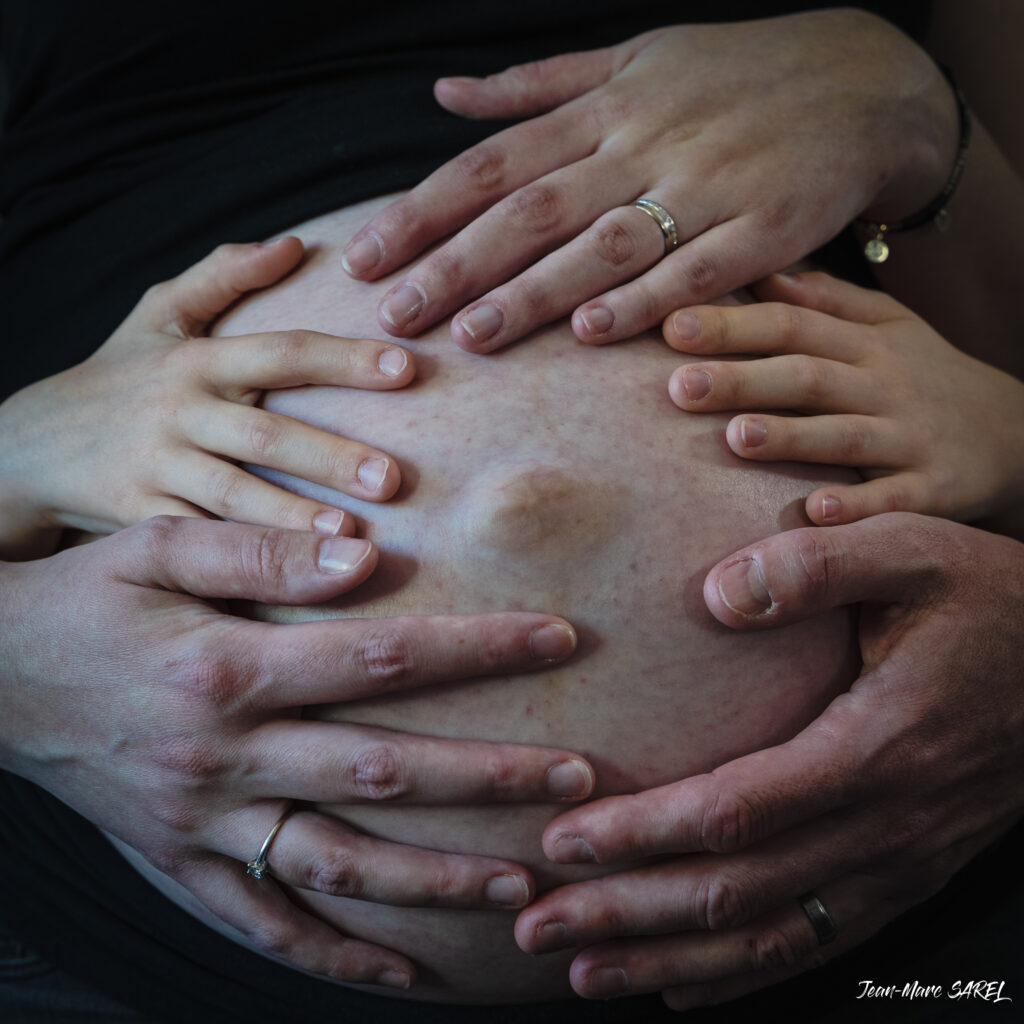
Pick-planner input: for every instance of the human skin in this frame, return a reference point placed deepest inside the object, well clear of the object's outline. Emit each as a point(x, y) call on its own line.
point(873, 807)
point(762, 139)
point(528, 483)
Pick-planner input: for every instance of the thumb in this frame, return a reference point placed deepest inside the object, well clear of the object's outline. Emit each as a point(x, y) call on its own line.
point(799, 574)
point(213, 559)
point(190, 302)
point(525, 90)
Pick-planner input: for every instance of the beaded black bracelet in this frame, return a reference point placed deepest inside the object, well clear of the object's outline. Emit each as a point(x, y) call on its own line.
point(877, 249)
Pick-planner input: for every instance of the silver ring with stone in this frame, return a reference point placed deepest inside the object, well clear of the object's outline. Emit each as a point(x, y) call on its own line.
point(821, 920)
point(663, 219)
point(258, 867)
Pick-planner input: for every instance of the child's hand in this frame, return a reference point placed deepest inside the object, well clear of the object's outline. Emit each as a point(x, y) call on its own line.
point(933, 430)
point(156, 420)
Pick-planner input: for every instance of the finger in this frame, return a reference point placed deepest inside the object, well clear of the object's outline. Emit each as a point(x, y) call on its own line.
point(230, 492)
point(267, 439)
point(189, 302)
point(774, 946)
point(530, 222)
point(847, 440)
point(833, 506)
point(799, 574)
point(798, 382)
point(526, 90)
point(345, 659)
point(827, 294)
point(325, 762)
point(717, 260)
point(762, 328)
point(287, 359)
point(316, 852)
point(701, 891)
point(859, 903)
point(270, 922)
point(461, 190)
point(230, 560)
point(618, 246)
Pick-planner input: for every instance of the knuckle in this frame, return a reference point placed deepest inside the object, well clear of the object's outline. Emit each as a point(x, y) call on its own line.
point(786, 321)
point(225, 485)
point(503, 778)
point(264, 557)
point(817, 563)
point(720, 903)
point(730, 822)
point(271, 938)
point(289, 349)
point(189, 758)
point(537, 208)
point(337, 873)
point(811, 375)
point(700, 273)
point(207, 678)
point(386, 658)
point(483, 167)
point(158, 536)
point(854, 443)
point(378, 772)
point(264, 436)
point(449, 266)
point(774, 950)
point(613, 243)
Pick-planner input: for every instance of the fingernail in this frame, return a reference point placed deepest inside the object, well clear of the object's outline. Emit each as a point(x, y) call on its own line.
point(269, 245)
point(789, 276)
point(830, 507)
point(507, 891)
point(570, 779)
point(686, 325)
point(552, 642)
point(371, 473)
point(341, 554)
point(598, 319)
point(362, 255)
point(753, 433)
point(573, 850)
point(696, 383)
point(554, 935)
point(742, 587)
point(392, 361)
point(394, 979)
point(328, 523)
point(401, 306)
point(607, 982)
point(483, 322)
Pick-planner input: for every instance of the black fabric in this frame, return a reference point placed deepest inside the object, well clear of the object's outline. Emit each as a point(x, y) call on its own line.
point(140, 135)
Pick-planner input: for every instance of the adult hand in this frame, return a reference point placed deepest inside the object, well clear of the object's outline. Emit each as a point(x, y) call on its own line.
point(155, 420)
point(873, 806)
point(177, 727)
point(761, 139)
point(933, 430)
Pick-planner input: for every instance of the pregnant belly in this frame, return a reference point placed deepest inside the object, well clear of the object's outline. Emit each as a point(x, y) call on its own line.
point(558, 478)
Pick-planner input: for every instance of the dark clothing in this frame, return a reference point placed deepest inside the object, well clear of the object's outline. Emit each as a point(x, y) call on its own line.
point(138, 136)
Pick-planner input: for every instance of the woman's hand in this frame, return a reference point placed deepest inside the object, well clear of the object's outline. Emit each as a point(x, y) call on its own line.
point(177, 726)
point(157, 419)
point(873, 807)
point(932, 429)
point(761, 139)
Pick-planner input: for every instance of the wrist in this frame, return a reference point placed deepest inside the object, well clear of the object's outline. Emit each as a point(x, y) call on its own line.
point(927, 136)
point(27, 529)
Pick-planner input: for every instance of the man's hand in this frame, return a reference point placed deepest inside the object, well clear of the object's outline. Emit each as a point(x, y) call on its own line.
point(177, 726)
point(872, 807)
